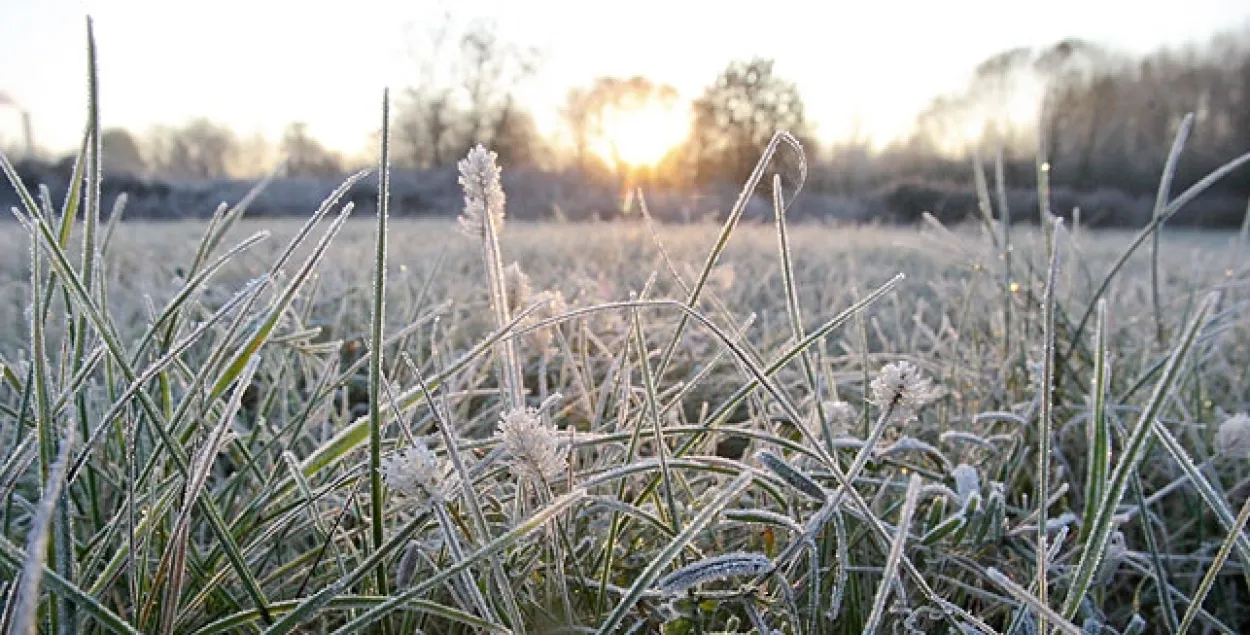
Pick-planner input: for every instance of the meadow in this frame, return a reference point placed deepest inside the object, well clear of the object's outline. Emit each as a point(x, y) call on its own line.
point(366, 425)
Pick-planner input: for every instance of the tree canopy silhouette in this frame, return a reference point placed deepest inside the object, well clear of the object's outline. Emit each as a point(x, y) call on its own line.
point(736, 117)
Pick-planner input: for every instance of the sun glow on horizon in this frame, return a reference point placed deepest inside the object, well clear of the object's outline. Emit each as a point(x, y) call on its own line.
point(642, 136)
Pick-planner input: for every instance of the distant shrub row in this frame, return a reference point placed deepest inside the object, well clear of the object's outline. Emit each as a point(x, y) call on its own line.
point(535, 195)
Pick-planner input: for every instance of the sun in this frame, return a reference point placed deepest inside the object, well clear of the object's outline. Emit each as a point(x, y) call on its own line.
point(642, 136)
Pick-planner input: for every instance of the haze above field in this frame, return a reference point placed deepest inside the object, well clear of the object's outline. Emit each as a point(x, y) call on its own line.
point(864, 69)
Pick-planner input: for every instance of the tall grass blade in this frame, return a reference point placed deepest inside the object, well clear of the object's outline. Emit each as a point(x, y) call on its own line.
point(1045, 426)
point(889, 577)
point(1098, 434)
point(1161, 200)
point(1171, 210)
point(722, 240)
point(1131, 456)
point(25, 613)
point(376, 340)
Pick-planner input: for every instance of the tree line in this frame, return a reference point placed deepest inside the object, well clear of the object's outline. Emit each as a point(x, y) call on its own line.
point(1104, 121)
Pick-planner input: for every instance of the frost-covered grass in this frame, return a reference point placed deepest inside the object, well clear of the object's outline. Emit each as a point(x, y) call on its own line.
point(364, 425)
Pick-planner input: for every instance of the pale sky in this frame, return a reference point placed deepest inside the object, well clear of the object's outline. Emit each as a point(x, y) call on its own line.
point(257, 65)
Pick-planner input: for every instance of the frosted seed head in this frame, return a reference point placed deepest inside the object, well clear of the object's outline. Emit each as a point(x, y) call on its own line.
point(483, 194)
point(407, 565)
point(842, 417)
point(415, 473)
point(533, 447)
point(901, 386)
point(517, 286)
point(1233, 439)
point(1117, 551)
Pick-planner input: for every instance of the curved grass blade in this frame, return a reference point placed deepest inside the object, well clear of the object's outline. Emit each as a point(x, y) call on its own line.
point(232, 623)
point(536, 521)
point(652, 571)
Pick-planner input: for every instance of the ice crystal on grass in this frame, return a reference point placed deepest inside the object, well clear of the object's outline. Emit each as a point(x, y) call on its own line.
point(533, 447)
point(714, 568)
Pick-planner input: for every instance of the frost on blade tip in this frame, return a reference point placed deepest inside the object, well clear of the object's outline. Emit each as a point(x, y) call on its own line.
point(483, 194)
point(533, 447)
point(714, 568)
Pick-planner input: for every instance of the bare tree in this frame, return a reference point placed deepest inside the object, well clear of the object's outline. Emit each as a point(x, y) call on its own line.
point(464, 93)
point(121, 152)
point(199, 150)
point(28, 138)
point(738, 114)
point(305, 156)
point(426, 112)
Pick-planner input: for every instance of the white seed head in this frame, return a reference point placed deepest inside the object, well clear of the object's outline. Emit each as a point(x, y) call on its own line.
point(415, 472)
point(842, 415)
point(967, 482)
point(901, 385)
point(407, 565)
point(1116, 553)
point(1233, 439)
point(533, 447)
point(483, 194)
point(517, 286)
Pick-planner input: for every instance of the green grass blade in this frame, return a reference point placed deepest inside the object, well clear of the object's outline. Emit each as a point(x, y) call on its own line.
point(1213, 570)
point(1098, 436)
point(376, 494)
point(1131, 456)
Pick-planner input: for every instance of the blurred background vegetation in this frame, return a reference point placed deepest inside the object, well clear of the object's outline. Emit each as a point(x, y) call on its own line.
point(1104, 119)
